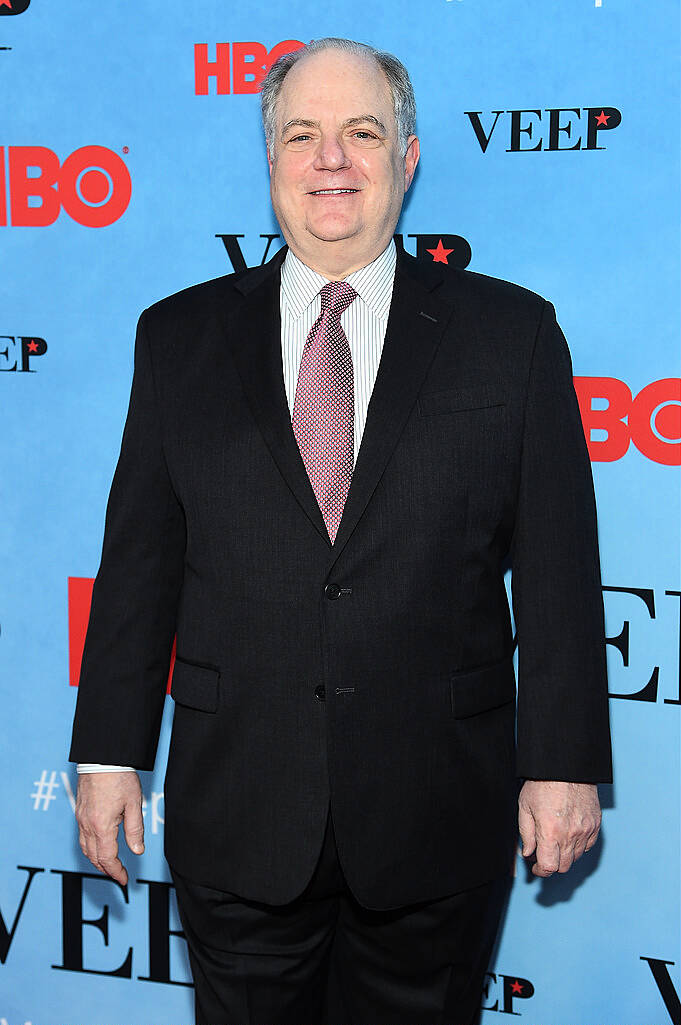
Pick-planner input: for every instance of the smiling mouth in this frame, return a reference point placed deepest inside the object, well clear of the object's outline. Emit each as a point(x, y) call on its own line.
point(332, 192)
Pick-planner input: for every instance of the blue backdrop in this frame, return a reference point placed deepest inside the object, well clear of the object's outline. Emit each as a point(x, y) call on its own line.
point(131, 165)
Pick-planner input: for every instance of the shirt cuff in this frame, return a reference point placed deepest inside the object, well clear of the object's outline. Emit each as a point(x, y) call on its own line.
point(96, 767)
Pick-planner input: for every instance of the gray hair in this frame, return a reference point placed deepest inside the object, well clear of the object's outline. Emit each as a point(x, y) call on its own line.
point(398, 80)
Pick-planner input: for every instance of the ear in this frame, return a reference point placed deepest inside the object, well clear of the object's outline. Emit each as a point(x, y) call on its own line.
point(269, 159)
point(411, 159)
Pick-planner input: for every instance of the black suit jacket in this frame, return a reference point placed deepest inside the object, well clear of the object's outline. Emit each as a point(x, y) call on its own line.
point(376, 671)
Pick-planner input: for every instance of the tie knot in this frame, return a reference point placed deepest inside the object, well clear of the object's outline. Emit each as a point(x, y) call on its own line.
point(336, 296)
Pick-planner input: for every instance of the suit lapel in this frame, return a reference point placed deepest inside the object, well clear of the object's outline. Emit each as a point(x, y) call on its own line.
point(418, 317)
point(254, 333)
point(417, 320)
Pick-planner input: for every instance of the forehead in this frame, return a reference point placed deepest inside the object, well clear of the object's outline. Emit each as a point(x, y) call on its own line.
point(335, 85)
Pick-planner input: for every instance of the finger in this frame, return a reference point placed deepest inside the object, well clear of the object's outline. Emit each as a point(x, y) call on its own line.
point(88, 845)
point(107, 866)
point(133, 826)
point(85, 847)
point(107, 860)
point(548, 859)
point(592, 839)
point(114, 868)
point(580, 847)
point(566, 857)
point(526, 828)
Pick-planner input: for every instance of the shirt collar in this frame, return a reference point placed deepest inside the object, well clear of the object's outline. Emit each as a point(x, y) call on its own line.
point(300, 285)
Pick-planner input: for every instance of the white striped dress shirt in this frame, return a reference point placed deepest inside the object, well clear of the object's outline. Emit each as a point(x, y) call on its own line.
point(364, 323)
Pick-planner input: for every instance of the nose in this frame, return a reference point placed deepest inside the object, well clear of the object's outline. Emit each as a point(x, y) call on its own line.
point(330, 155)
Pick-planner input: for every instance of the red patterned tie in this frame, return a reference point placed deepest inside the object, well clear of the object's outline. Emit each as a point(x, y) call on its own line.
point(324, 408)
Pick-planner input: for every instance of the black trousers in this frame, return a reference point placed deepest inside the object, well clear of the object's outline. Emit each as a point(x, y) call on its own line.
point(324, 959)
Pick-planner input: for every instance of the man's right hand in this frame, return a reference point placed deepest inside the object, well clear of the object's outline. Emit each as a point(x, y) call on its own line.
point(104, 800)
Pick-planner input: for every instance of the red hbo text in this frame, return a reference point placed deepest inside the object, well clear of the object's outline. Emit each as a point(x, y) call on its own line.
point(236, 67)
point(93, 186)
point(651, 419)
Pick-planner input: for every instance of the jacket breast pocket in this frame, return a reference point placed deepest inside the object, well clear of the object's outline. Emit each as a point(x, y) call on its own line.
point(473, 691)
point(195, 686)
point(459, 400)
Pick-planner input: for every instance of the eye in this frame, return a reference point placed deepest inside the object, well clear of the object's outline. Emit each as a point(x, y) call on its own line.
point(299, 138)
point(362, 134)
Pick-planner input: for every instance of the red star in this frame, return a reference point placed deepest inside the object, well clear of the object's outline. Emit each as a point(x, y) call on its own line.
point(602, 118)
point(440, 254)
point(516, 987)
point(32, 345)
point(6, 3)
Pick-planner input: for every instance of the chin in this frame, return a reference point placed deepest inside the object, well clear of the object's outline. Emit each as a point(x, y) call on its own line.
point(334, 231)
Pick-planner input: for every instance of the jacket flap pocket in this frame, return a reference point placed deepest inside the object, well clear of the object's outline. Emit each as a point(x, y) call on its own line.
point(453, 400)
point(195, 686)
point(480, 690)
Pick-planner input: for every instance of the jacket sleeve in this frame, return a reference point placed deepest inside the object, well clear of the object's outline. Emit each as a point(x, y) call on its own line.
point(136, 592)
point(563, 720)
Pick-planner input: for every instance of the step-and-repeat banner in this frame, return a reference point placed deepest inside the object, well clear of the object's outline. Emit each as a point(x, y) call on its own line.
point(132, 164)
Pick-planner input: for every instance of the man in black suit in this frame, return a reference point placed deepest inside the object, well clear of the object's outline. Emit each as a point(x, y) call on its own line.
point(342, 778)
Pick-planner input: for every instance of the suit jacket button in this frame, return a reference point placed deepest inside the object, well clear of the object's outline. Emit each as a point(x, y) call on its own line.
point(320, 692)
point(332, 591)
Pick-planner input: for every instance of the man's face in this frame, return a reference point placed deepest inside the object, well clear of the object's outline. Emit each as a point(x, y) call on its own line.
point(337, 175)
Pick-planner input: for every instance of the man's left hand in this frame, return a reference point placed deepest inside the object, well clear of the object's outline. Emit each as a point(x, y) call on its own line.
point(558, 821)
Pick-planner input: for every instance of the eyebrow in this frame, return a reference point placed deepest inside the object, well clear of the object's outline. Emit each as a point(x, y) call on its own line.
point(349, 123)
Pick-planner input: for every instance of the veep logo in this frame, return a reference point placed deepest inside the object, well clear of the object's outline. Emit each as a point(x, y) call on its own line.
point(452, 250)
point(93, 186)
point(651, 419)
point(633, 609)
point(239, 65)
point(503, 990)
point(13, 7)
point(18, 358)
point(78, 891)
point(528, 131)
point(663, 981)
